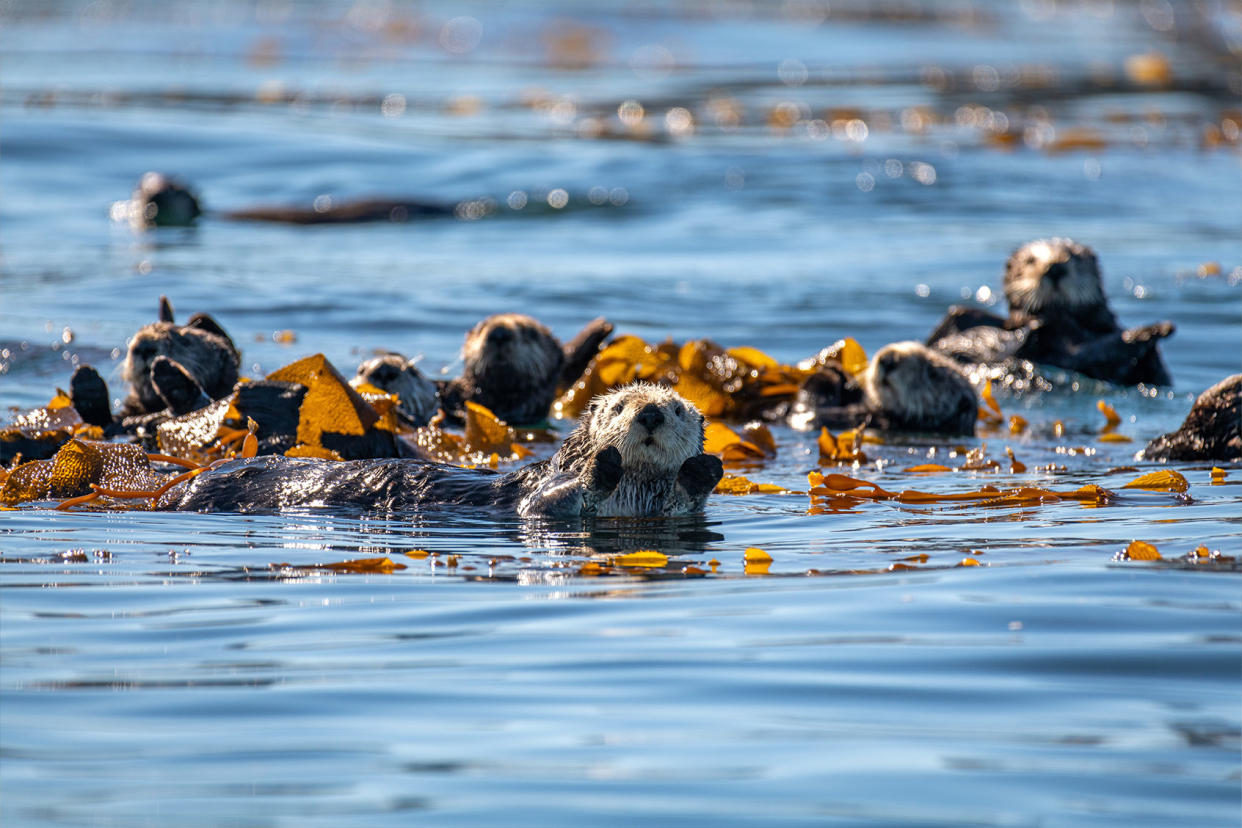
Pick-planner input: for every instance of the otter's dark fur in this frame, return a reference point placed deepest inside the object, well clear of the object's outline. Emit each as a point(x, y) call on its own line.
point(906, 387)
point(417, 396)
point(1058, 316)
point(1212, 430)
point(635, 452)
point(514, 366)
point(160, 201)
point(199, 364)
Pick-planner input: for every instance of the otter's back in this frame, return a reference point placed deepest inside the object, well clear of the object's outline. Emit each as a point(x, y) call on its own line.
point(268, 484)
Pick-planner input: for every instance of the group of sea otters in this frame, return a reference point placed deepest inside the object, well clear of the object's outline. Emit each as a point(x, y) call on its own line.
point(637, 449)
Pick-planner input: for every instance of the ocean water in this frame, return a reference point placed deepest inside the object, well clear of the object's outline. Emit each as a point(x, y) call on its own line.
point(778, 175)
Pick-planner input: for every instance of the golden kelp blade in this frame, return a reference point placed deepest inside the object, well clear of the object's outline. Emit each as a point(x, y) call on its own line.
point(1164, 480)
point(330, 405)
point(485, 432)
point(1112, 419)
point(642, 558)
point(717, 437)
point(382, 566)
point(735, 484)
point(1141, 551)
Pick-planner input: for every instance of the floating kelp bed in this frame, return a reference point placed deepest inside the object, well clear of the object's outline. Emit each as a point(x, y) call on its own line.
point(324, 418)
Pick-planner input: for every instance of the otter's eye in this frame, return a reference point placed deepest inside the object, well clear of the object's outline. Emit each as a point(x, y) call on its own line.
point(679, 410)
point(618, 408)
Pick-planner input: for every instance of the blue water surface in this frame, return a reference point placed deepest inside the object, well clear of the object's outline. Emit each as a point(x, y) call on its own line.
point(778, 175)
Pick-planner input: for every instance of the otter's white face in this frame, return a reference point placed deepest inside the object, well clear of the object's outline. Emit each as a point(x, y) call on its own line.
point(1051, 274)
point(653, 427)
point(513, 345)
point(918, 387)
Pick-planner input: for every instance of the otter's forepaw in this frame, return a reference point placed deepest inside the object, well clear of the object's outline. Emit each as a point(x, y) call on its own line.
point(700, 474)
point(606, 471)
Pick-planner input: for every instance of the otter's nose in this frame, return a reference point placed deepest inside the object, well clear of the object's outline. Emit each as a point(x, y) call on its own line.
point(499, 334)
point(650, 417)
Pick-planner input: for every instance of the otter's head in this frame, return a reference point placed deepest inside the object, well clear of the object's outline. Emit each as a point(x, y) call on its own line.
point(397, 375)
point(511, 350)
point(206, 357)
point(161, 201)
point(654, 428)
point(1049, 276)
point(909, 386)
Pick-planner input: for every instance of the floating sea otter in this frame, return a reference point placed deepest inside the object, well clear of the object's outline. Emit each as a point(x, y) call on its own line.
point(514, 366)
point(178, 367)
point(1059, 316)
point(1212, 430)
point(637, 451)
point(162, 200)
point(905, 387)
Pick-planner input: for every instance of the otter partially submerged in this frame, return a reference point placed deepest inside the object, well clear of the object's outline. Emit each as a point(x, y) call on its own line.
point(1058, 316)
point(162, 200)
point(417, 396)
point(1211, 431)
point(906, 387)
point(514, 366)
point(178, 368)
point(637, 452)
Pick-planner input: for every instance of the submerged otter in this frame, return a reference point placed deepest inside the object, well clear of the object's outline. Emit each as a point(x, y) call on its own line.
point(1211, 431)
point(178, 367)
point(905, 387)
point(514, 366)
point(1059, 316)
point(161, 200)
point(417, 397)
point(637, 451)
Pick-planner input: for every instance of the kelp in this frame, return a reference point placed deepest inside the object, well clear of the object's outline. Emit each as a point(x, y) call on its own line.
point(39, 433)
point(737, 384)
point(839, 489)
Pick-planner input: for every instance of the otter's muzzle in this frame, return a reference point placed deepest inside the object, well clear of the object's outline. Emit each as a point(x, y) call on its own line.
point(1057, 272)
point(650, 417)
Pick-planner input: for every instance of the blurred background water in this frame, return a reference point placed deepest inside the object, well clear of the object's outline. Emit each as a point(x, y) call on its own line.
point(775, 174)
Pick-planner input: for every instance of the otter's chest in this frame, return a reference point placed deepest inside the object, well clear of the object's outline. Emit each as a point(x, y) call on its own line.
point(638, 497)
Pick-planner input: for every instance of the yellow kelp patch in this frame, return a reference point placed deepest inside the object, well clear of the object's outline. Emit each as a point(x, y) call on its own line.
point(734, 384)
point(331, 405)
point(79, 469)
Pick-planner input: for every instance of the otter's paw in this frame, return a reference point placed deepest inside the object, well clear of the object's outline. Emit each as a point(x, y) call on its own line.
point(606, 471)
point(700, 474)
point(175, 385)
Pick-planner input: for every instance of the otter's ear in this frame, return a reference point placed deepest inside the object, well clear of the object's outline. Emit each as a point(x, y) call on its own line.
point(205, 322)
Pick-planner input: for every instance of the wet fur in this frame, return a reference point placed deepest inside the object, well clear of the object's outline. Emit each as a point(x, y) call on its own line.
point(201, 349)
point(418, 399)
point(512, 365)
point(163, 201)
point(1058, 316)
point(908, 387)
point(1211, 431)
point(610, 465)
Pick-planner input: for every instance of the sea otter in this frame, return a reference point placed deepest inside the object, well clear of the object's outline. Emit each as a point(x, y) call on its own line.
point(178, 367)
point(1058, 316)
point(637, 451)
point(1212, 430)
point(417, 396)
point(905, 387)
point(162, 200)
point(514, 366)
